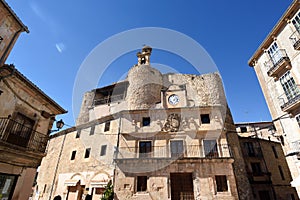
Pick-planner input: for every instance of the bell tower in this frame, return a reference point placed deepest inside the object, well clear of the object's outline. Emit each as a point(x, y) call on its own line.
point(144, 56)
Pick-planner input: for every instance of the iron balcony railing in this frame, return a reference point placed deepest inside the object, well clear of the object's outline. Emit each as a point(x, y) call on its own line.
point(276, 61)
point(187, 151)
point(20, 135)
point(295, 39)
point(291, 99)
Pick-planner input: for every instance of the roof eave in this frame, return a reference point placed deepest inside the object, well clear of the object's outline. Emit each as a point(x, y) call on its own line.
point(269, 39)
point(25, 28)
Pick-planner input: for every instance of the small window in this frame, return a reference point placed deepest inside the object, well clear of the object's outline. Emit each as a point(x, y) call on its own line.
point(274, 151)
point(78, 133)
point(292, 197)
point(103, 150)
point(141, 183)
point(107, 126)
point(250, 149)
point(146, 121)
point(73, 155)
point(221, 182)
point(92, 131)
point(298, 120)
point(205, 118)
point(87, 153)
point(243, 129)
point(1, 39)
point(256, 169)
point(281, 172)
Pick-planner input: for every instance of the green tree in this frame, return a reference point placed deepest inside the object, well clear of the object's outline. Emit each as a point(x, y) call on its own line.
point(108, 192)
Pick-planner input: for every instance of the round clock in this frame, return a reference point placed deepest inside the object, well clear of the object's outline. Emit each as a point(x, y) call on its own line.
point(173, 99)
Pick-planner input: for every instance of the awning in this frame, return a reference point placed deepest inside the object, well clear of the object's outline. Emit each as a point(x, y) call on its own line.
point(70, 182)
point(99, 184)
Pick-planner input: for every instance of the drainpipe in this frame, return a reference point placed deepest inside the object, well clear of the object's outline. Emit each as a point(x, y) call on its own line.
point(9, 46)
point(116, 153)
point(56, 167)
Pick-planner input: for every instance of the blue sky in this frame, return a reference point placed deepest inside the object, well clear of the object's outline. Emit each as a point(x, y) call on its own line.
point(63, 33)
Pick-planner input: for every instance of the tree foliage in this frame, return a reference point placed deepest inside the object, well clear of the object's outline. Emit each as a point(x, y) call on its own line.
point(108, 192)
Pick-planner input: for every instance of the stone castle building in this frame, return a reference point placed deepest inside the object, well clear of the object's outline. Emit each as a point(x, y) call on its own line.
point(155, 136)
point(277, 65)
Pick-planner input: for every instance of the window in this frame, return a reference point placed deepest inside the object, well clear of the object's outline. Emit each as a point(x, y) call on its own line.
point(176, 148)
point(145, 149)
point(281, 172)
point(243, 129)
point(141, 183)
point(289, 86)
point(274, 151)
point(1, 39)
point(291, 197)
point(107, 126)
point(221, 182)
point(250, 149)
point(274, 53)
point(103, 150)
point(87, 153)
point(73, 155)
point(298, 120)
point(20, 130)
point(146, 121)
point(205, 118)
point(210, 148)
point(92, 131)
point(256, 169)
point(78, 133)
point(296, 22)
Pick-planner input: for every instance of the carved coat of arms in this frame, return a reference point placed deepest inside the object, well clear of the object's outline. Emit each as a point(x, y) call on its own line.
point(172, 123)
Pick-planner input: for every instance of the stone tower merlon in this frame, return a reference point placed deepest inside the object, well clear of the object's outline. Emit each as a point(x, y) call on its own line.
point(144, 57)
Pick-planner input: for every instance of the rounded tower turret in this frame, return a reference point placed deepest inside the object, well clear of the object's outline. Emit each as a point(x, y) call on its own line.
point(145, 82)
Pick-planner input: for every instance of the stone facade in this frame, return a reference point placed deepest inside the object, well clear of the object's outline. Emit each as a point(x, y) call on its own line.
point(10, 29)
point(265, 162)
point(276, 63)
point(166, 136)
point(27, 115)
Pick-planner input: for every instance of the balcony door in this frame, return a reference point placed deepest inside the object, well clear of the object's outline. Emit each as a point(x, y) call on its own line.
point(289, 86)
point(296, 22)
point(145, 149)
point(176, 148)
point(274, 53)
point(210, 148)
point(19, 130)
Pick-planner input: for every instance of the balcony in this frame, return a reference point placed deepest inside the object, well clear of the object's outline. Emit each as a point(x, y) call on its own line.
point(295, 39)
point(263, 177)
point(129, 158)
point(291, 104)
point(20, 136)
point(278, 64)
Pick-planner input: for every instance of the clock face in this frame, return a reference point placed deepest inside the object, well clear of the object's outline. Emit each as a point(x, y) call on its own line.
point(173, 99)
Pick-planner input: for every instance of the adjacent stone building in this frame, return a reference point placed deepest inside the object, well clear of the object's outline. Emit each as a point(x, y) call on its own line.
point(266, 166)
point(277, 65)
point(155, 136)
point(26, 117)
point(10, 29)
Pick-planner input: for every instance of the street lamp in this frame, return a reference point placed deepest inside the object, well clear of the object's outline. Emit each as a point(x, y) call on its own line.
point(59, 125)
